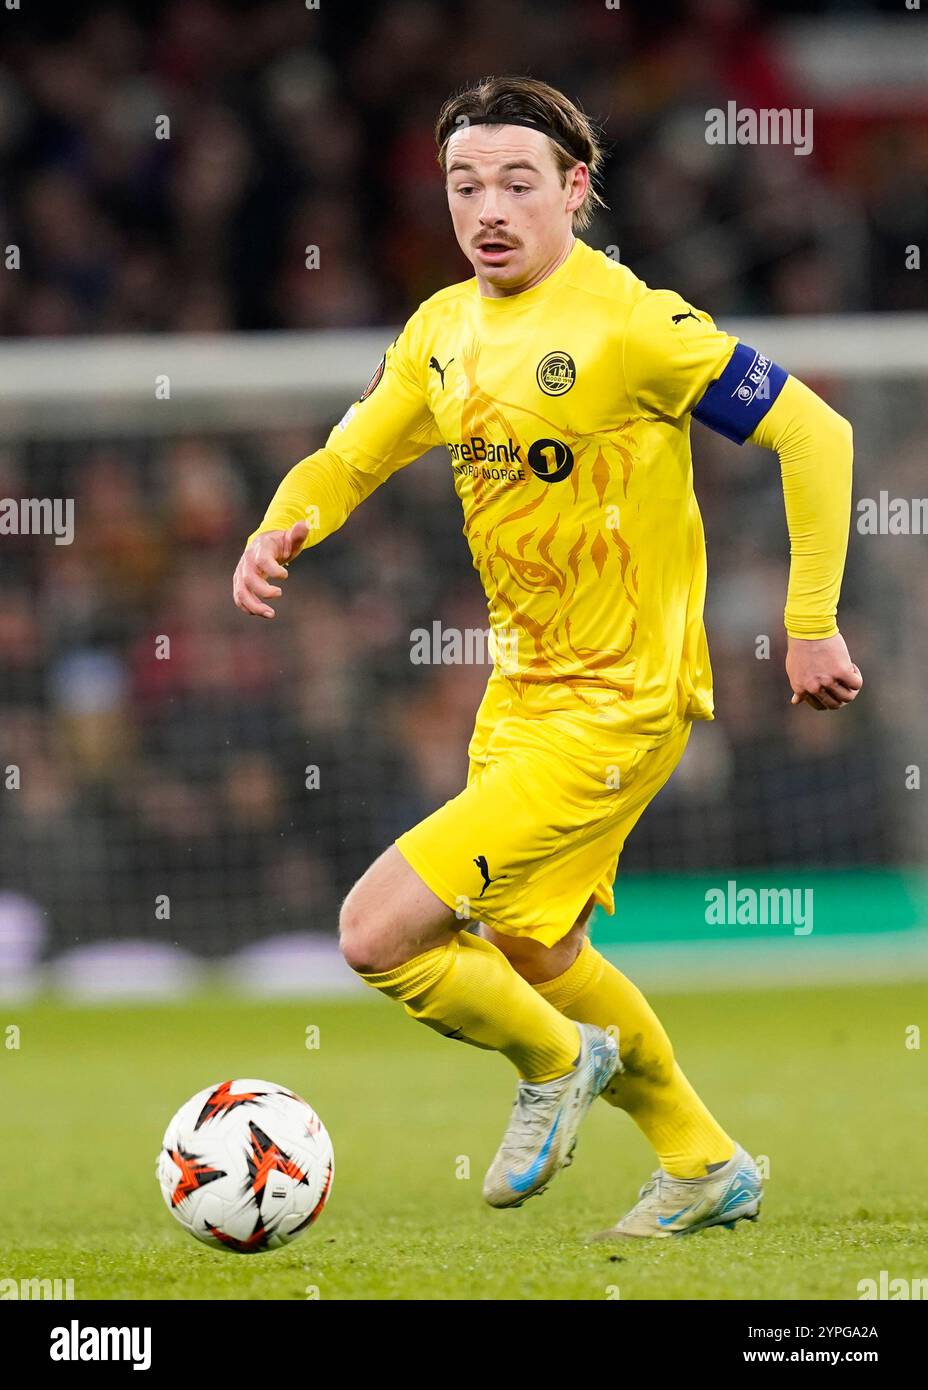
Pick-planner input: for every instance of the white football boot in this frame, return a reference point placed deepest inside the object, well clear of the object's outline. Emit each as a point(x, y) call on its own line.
point(671, 1206)
point(542, 1131)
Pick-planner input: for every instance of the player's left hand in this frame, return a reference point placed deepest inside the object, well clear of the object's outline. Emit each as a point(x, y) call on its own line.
point(821, 672)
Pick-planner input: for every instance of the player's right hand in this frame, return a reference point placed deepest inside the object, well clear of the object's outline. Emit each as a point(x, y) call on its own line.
point(821, 672)
point(262, 561)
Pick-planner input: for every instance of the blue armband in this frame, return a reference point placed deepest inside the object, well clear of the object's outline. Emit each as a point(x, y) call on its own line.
point(735, 404)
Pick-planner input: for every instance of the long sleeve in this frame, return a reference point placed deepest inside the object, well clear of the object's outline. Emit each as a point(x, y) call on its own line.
point(322, 490)
point(815, 446)
point(388, 426)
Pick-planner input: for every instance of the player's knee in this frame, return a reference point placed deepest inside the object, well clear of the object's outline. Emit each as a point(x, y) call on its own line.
point(358, 937)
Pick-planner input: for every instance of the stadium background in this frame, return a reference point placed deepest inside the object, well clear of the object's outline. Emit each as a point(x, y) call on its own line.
point(142, 777)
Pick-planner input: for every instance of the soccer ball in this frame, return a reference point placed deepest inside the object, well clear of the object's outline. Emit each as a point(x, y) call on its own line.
point(246, 1166)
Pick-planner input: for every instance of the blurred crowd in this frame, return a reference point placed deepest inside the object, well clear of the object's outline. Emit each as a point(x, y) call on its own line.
point(167, 164)
point(163, 743)
point(156, 743)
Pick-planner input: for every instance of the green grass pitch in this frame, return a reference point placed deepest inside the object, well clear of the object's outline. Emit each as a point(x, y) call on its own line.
point(819, 1080)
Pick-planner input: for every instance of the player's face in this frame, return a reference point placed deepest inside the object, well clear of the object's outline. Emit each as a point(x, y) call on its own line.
point(511, 212)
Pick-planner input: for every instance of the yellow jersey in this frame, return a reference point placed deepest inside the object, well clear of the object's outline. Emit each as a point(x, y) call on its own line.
point(565, 413)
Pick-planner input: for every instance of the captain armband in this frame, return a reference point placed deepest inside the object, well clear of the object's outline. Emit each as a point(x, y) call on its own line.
point(738, 400)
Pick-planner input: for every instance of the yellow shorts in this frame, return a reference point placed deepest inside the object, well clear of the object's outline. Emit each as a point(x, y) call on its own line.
point(550, 799)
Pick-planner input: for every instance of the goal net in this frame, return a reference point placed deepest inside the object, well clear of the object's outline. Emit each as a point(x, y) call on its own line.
point(178, 774)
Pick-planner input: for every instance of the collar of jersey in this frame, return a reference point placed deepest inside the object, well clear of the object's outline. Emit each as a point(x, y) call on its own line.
point(508, 303)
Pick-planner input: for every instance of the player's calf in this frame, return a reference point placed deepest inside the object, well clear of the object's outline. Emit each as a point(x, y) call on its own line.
point(396, 935)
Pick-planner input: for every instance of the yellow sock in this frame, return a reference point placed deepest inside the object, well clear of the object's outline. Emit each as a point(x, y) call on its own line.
point(652, 1087)
point(468, 990)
